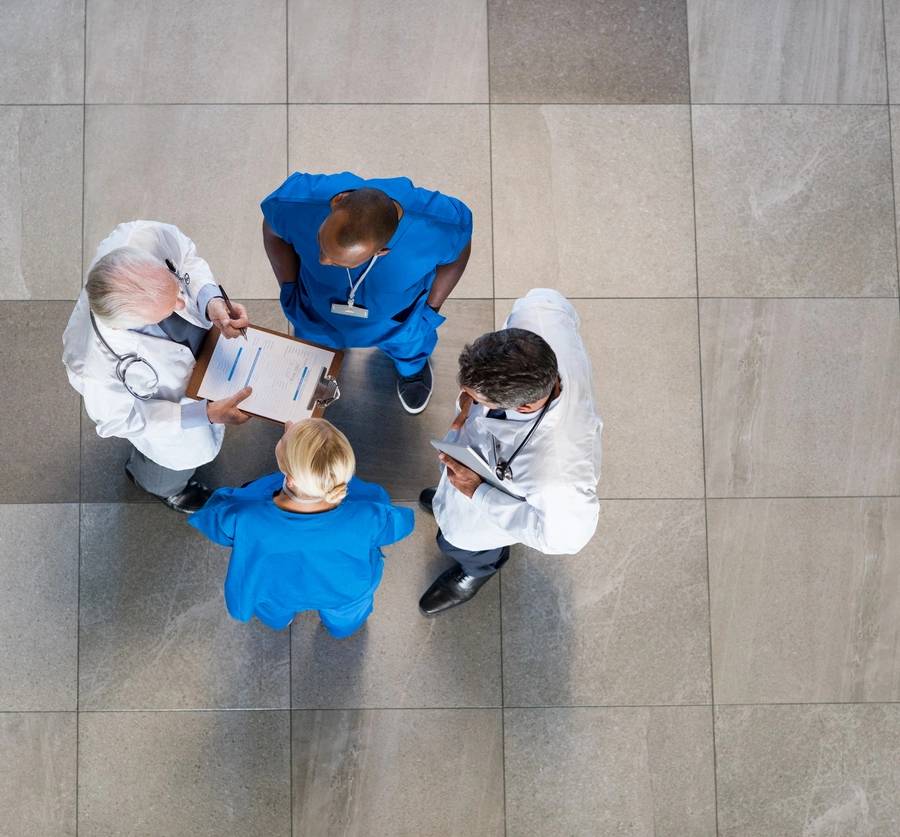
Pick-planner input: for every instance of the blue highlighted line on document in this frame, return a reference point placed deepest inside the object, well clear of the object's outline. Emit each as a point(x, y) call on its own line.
point(237, 357)
point(300, 385)
point(253, 367)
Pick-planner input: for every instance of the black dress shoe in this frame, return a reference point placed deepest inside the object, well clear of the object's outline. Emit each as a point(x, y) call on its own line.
point(451, 588)
point(426, 499)
point(190, 499)
point(415, 390)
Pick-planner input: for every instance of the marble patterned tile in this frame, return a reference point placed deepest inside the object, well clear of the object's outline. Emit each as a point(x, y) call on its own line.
point(441, 147)
point(622, 771)
point(396, 51)
point(386, 773)
point(623, 622)
point(816, 770)
point(593, 201)
point(892, 42)
point(176, 52)
point(802, 598)
point(400, 658)
point(38, 606)
point(203, 168)
point(184, 774)
point(40, 207)
point(394, 448)
point(39, 458)
point(794, 201)
point(801, 398)
point(154, 632)
point(581, 51)
point(42, 52)
point(895, 139)
point(37, 774)
point(787, 51)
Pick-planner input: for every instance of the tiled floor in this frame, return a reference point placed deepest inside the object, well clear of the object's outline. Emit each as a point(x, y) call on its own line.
point(714, 183)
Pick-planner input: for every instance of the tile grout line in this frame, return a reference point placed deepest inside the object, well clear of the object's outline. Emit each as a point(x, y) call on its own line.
point(609, 104)
point(887, 85)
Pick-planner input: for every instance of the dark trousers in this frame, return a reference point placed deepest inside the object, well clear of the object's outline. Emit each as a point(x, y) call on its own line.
point(476, 563)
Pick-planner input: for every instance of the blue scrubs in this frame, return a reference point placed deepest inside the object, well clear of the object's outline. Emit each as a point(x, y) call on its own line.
point(283, 562)
point(433, 231)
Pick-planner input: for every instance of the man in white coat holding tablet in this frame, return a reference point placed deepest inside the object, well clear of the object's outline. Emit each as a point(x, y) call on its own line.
point(130, 348)
point(527, 409)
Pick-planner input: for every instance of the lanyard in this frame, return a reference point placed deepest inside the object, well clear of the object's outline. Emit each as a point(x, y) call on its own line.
point(354, 287)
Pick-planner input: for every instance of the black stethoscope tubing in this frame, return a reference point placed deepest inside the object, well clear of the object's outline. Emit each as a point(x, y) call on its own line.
point(504, 469)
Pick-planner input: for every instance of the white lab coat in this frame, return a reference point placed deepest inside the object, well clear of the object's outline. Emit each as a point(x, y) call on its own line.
point(153, 426)
point(556, 472)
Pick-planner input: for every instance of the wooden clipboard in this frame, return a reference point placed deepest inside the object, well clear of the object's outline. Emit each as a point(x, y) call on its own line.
point(326, 392)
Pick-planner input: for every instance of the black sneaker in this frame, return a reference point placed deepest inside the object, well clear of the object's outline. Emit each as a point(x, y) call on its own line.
point(415, 390)
point(191, 498)
point(426, 499)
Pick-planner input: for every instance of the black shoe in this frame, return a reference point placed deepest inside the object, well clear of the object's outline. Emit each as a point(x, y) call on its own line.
point(451, 588)
point(192, 498)
point(426, 499)
point(415, 390)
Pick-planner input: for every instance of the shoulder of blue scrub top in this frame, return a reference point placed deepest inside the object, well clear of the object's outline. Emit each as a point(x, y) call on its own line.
point(307, 186)
point(358, 489)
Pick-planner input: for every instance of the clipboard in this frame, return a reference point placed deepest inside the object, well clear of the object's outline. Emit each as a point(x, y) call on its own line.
point(325, 392)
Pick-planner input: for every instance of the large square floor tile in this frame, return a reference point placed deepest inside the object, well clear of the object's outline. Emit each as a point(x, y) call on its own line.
point(184, 774)
point(788, 51)
point(154, 632)
point(892, 36)
point(39, 458)
point(38, 606)
point(582, 51)
point(393, 773)
point(203, 168)
point(396, 51)
point(593, 201)
point(625, 771)
point(804, 604)
point(391, 446)
point(811, 770)
point(794, 201)
point(400, 658)
point(40, 202)
point(171, 51)
point(42, 52)
point(623, 622)
point(440, 147)
point(37, 774)
point(801, 398)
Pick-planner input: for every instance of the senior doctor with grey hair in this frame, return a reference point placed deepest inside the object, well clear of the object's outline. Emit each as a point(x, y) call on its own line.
point(130, 347)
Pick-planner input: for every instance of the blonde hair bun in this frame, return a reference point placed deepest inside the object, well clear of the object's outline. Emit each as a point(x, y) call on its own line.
point(337, 494)
point(318, 459)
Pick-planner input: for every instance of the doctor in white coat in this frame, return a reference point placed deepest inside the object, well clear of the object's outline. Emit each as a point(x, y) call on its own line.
point(130, 347)
point(527, 408)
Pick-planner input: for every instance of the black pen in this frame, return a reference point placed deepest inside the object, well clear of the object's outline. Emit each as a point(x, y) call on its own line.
point(231, 312)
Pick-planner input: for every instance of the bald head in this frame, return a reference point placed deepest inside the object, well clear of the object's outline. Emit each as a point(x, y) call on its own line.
point(360, 225)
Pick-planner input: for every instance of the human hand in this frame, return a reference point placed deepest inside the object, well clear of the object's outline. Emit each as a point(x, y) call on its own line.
point(217, 311)
point(226, 411)
point(465, 404)
point(463, 479)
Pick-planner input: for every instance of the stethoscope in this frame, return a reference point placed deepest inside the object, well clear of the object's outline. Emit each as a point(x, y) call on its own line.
point(504, 469)
point(131, 360)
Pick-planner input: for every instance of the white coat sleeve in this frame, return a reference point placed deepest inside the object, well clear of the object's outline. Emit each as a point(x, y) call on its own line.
point(118, 413)
point(200, 272)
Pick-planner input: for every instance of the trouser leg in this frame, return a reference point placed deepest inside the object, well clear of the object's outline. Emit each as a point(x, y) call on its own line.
point(477, 563)
point(154, 478)
point(410, 351)
point(340, 623)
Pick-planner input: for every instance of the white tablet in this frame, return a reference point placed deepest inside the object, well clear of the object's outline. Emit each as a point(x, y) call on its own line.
point(471, 459)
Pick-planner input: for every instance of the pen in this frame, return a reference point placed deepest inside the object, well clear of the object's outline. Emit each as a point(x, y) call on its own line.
point(231, 312)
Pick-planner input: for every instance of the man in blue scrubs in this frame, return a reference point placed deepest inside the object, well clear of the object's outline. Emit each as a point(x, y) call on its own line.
point(368, 263)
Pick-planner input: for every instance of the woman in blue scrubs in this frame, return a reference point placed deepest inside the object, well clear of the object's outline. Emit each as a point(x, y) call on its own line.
point(307, 537)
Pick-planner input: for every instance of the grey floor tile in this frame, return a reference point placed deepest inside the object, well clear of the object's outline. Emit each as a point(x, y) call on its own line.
point(395, 51)
point(623, 622)
point(794, 201)
point(593, 201)
point(248, 451)
point(816, 770)
point(40, 215)
point(442, 147)
point(203, 168)
point(154, 632)
point(580, 51)
point(39, 412)
point(42, 52)
point(38, 606)
point(647, 389)
point(400, 658)
point(173, 51)
point(184, 774)
point(804, 605)
point(801, 398)
point(628, 771)
point(391, 446)
point(895, 127)
point(787, 51)
point(892, 36)
point(398, 773)
point(37, 774)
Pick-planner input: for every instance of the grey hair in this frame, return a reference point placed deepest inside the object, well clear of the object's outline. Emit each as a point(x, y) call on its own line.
point(123, 284)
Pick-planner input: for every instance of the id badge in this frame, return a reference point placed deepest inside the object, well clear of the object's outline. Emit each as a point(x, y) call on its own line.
point(349, 310)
